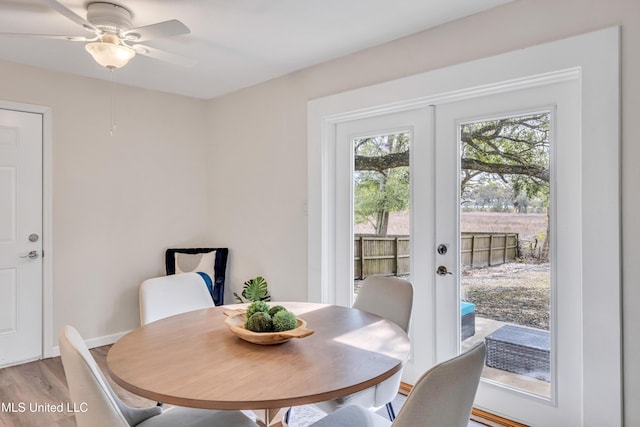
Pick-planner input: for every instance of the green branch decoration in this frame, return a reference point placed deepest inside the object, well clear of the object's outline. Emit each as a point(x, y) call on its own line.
point(254, 290)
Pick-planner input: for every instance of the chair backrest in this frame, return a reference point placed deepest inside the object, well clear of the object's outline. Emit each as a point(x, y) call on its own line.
point(388, 297)
point(211, 263)
point(166, 296)
point(90, 392)
point(444, 395)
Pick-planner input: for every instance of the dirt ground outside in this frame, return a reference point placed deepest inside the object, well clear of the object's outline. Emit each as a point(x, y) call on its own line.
point(514, 292)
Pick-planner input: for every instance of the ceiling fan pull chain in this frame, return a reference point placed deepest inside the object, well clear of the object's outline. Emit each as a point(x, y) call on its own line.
point(113, 103)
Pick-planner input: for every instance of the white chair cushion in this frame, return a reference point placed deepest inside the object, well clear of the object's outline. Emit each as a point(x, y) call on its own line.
point(352, 416)
point(388, 297)
point(373, 398)
point(166, 296)
point(444, 395)
point(365, 398)
point(135, 416)
point(387, 390)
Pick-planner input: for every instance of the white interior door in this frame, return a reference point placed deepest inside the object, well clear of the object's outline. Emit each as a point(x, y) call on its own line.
point(562, 405)
point(20, 236)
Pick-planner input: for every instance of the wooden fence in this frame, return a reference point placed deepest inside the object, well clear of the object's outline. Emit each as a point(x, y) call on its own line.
point(375, 254)
point(389, 255)
point(486, 249)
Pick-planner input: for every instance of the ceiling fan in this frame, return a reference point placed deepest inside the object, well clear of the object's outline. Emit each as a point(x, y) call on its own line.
point(113, 42)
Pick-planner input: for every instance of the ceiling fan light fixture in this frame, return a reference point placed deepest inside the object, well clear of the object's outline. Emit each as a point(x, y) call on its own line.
point(110, 55)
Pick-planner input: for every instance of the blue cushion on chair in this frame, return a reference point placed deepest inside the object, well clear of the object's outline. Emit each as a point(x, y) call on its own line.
point(467, 308)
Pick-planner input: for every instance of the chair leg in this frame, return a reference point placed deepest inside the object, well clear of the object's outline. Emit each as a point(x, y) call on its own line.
point(390, 411)
point(287, 415)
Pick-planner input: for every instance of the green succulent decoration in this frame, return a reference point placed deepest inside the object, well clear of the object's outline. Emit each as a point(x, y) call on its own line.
point(259, 322)
point(256, 307)
point(276, 308)
point(254, 290)
point(262, 318)
point(284, 320)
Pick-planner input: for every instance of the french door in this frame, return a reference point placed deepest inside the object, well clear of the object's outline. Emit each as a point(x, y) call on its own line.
point(435, 136)
point(417, 125)
point(533, 371)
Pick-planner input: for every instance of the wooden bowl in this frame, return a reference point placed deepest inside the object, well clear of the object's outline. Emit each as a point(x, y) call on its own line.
point(235, 322)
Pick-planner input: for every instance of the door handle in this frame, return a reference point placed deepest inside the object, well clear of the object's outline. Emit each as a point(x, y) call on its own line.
point(30, 255)
point(442, 271)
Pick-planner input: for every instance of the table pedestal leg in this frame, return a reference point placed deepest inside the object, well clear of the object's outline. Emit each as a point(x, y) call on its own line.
point(272, 417)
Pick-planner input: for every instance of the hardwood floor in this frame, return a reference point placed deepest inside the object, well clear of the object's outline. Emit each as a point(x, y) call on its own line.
point(32, 393)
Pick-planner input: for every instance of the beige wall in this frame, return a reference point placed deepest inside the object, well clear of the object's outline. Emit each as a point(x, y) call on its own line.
point(260, 178)
point(118, 201)
point(260, 133)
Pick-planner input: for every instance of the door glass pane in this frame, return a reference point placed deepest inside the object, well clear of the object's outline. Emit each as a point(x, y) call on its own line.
point(505, 259)
point(381, 206)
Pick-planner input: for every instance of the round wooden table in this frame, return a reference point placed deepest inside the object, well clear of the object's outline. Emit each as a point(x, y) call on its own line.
point(192, 359)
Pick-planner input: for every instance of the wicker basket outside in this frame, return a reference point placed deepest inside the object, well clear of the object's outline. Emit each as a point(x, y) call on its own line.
point(468, 325)
point(520, 350)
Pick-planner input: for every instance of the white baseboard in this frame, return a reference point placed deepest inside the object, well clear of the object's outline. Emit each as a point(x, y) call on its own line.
point(93, 342)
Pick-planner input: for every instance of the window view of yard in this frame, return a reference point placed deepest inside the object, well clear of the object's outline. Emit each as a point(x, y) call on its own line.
point(505, 243)
point(516, 292)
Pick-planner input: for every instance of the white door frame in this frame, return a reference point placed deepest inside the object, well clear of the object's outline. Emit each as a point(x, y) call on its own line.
point(596, 57)
point(47, 221)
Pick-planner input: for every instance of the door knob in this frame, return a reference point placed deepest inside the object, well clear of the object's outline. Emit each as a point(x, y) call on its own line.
point(442, 271)
point(30, 255)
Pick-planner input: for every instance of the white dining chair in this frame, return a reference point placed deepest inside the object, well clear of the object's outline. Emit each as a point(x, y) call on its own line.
point(100, 407)
point(442, 397)
point(166, 296)
point(391, 298)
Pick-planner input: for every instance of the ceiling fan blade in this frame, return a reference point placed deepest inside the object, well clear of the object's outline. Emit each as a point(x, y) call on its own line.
point(51, 36)
point(155, 31)
point(69, 14)
point(161, 55)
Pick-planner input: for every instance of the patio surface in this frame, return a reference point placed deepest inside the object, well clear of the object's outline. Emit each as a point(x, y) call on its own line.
point(485, 327)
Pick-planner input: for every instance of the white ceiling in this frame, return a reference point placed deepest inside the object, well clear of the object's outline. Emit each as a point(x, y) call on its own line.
point(233, 43)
